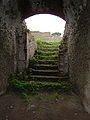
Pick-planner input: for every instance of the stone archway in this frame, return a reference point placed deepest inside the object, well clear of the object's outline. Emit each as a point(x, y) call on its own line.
point(29, 7)
point(77, 37)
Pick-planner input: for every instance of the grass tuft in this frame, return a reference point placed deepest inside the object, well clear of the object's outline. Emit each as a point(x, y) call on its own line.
point(26, 88)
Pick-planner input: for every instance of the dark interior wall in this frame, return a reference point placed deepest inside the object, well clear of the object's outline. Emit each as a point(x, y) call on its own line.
point(10, 25)
point(6, 44)
point(32, 7)
point(78, 40)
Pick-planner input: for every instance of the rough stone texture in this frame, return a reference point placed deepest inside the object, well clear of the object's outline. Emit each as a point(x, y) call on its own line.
point(77, 35)
point(45, 35)
point(13, 42)
point(7, 41)
point(32, 7)
point(63, 59)
point(77, 38)
point(31, 46)
point(21, 47)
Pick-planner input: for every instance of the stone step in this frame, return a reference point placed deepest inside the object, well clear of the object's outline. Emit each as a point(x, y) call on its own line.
point(45, 56)
point(50, 43)
point(46, 67)
point(48, 78)
point(54, 62)
point(53, 83)
point(53, 56)
point(49, 49)
point(45, 53)
point(49, 46)
point(45, 72)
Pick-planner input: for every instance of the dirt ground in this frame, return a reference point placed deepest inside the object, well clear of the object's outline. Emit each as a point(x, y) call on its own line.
point(42, 107)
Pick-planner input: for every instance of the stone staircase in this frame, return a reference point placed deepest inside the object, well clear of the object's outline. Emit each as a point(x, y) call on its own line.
point(44, 64)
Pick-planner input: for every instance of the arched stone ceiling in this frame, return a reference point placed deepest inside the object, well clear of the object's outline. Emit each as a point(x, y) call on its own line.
point(32, 7)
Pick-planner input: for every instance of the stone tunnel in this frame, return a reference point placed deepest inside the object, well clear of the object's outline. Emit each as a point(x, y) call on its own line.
point(76, 38)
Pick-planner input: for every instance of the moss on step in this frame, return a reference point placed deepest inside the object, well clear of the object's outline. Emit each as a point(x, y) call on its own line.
point(46, 66)
point(43, 67)
point(47, 53)
point(49, 46)
point(35, 87)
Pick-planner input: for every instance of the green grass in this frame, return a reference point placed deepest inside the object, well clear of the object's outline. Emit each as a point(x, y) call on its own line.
point(39, 41)
point(46, 56)
point(50, 54)
point(18, 83)
point(54, 43)
point(28, 88)
point(48, 49)
point(34, 61)
point(49, 46)
point(43, 53)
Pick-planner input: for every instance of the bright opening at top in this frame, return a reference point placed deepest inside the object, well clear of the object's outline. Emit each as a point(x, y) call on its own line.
point(46, 23)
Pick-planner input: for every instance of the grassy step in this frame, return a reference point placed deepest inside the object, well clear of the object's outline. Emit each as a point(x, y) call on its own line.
point(38, 76)
point(45, 72)
point(48, 78)
point(54, 62)
point(48, 71)
point(53, 57)
point(43, 53)
point(49, 46)
point(26, 88)
point(53, 83)
point(49, 49)
point(46, 63)
point(51, 62)
point(46, 66)
point(50, 43)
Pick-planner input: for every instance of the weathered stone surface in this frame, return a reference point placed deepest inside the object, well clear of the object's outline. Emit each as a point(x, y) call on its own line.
point(77, 39)
point(30, 46)
point(31, 7)
point(7, 41)
point(45, 35)
point(13, 42)
point(76, 34)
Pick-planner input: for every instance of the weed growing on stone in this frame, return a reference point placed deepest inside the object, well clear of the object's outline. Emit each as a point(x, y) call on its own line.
point(26, 88)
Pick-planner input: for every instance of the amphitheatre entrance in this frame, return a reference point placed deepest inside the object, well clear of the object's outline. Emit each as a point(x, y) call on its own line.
point(76, 39)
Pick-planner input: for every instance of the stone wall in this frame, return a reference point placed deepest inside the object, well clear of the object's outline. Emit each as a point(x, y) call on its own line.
point(21, 41)
point(31, 46)
point(8, 23)
point(45, 35)
point(63, 59)
point(25, 47)
point(38, 34)
point(13, 42)
point(78, 39)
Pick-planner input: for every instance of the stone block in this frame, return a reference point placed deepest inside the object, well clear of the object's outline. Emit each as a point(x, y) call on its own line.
point(21, 66)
